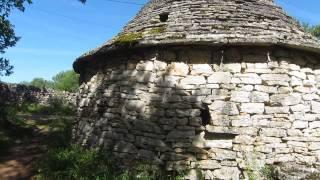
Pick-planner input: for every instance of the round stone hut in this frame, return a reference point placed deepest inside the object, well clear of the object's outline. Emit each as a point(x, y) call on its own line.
point(221, 87)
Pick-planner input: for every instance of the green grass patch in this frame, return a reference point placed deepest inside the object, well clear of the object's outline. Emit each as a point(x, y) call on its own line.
point(75, 162)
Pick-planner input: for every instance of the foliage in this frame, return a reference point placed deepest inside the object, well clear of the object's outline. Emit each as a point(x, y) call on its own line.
point(5, 67)
point(5, 141)
point(69, 161)
point(66, 81)
point(56, 106)
point(63, 81)
point(8, 37)
point(128, 38)
point(314, 30)
point(75, 162)
point(268, 172)
point(41, 83)
point(157, 30)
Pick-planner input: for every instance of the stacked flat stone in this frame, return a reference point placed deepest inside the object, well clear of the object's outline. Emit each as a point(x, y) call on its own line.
point(19, 93)
point(220, 109)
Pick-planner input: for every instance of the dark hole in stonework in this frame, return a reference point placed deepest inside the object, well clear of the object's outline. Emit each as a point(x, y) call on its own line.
point(219, 136)
point(205, 116)
point(164, 17)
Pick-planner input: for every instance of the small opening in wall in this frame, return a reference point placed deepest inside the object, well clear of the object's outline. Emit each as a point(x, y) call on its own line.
point(219, 136)
point(205, 116)
point(164, 17)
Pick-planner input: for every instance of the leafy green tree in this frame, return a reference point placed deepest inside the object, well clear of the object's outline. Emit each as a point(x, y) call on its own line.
point(41, 83)
point(66, 81)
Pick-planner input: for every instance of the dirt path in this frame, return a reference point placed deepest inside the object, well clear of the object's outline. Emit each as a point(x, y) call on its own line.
point(18, 162)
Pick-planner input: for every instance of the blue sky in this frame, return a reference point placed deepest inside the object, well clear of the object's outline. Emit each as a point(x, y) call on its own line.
point(55, 33)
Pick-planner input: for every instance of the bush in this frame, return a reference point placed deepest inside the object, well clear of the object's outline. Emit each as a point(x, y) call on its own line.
point(56, 106)
point(75, 162)
point(39, 83)
point(66, 81)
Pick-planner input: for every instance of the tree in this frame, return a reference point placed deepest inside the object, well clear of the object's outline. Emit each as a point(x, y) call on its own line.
point(8, 37)
point(40, 83)
point(66, 81)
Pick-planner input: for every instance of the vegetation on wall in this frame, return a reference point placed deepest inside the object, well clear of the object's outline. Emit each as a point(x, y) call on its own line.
point(314, 30)
point(128, 38)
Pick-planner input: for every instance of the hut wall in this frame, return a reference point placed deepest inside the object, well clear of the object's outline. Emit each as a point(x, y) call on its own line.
point(218, 111)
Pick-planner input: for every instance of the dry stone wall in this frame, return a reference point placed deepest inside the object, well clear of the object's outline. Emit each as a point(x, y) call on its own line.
point(213, 110)
point(19, 93)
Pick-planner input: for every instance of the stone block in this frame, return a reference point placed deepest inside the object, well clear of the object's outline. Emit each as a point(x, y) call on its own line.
point(232, 173)
point(252, 108)
point(201, 69)
point(220, 77)
point(315, 124)
point(266, 89)
point(232, 67)
point(177, 69)
point(244, 139)
point(208, 164)
point(314, 146)
point(273, 132)
point(193, 80)
point(224, 144)
point(300, 108)
point(145, 66)
point(275, 77)
point(240, 96)
point(275, 110)
point(315, 107)
point(259, 97)
point(300, 124)
point(222, 107)
point(285, 99)
point(298, 74)
point(241, 121)
point(159, 65)
point(222, 154)
point(249, 78)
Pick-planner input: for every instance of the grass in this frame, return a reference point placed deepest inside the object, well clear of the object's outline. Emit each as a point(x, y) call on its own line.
point(128, 38)
point(56, 106)
point(157, 30)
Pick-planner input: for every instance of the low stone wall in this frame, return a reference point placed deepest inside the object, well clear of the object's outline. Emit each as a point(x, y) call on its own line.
point(18, 93)
point(220, 112)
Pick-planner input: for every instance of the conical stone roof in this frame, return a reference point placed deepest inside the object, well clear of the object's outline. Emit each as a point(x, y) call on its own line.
point(210, 22)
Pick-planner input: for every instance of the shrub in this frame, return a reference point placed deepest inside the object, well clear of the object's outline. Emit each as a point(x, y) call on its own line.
point(75, 162)
point(66, 81)
point(55, 106)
